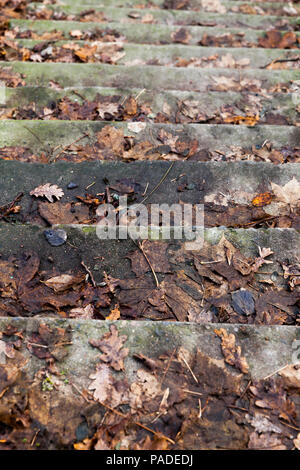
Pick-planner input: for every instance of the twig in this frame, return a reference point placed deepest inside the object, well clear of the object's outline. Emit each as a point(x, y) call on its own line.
point(278, 370)
point(140, 245)
point(137, 423)
point(159, 183)
point(200, 410)
point(9, 207)
point(54, 158)
point(34, 438)
point(289, 425)
point(168, 366)
point(37, 345)
point(34, 134)
point(3, 392)
point(89, 273)
point(191, 392)
point(189, 368)
point(139, 94)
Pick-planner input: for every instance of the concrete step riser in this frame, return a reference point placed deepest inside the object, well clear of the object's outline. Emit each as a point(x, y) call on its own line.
point(212, 137)
point(169, 55)
point(283, 105)
point(179, 17)
point(149, 77)
point(145, 33)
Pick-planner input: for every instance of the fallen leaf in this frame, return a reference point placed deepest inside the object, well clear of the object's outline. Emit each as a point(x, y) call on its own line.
point(136, 127)
point(49, 191)
point(64, 282)
point(289, 193)
point(262, 199)
point(231, 352)
point(265, 442)
point(111, 344)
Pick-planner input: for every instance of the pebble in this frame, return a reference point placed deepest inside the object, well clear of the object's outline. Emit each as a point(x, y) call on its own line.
point(55, 237)
point(72, 185)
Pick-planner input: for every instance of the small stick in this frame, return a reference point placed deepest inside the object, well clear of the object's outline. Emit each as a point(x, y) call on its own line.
point(191, 392)
point(139, 94)
point(200, 410)
point(34, 438)
point(278, 370)
point(8, 208)
point(90, 185)
point(159, 183)
point(89, 273)
point(189, 368)
point(54, 158)
point(138, 423)
point(140, 245)
point(168, 366)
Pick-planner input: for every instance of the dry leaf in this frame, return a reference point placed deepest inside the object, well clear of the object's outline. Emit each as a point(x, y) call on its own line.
point(85, 313)
point(291, 376)
point(231, 352)
point(63, 282)
point(112, 347)
point(289, 193)
point(49, 191)
point(297, 442)
point(136, 127)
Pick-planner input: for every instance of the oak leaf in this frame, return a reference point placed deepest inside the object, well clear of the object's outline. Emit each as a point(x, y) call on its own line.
point(231, 352)
point(49, 191)
point(111, 344)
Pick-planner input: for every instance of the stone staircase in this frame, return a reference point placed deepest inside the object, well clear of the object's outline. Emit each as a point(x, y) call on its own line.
point(166, 102)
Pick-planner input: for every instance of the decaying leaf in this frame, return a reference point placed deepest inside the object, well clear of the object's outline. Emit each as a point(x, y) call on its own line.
point(265, 441)
point(289, 193)
point(64, 282)
point(105, 387)
point(49, 191)
point(111, 344)
point(291, 376)
point(231, 352)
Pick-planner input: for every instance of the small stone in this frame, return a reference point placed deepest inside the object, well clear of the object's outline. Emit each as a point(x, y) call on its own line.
point(243, 302)
point(55, 237)
point(72, 185)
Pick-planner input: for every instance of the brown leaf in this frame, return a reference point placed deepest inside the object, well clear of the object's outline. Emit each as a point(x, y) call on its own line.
point(64, 282)
point(274, 39)
point(265, 441)
point(112, 347)
point(182, 36)
point(49, 191)
point(231, 352)
point(291, 377)
point(106, 389)
point(156, 253)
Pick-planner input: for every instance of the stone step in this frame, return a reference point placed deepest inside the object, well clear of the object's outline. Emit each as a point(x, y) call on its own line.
point(111, 256)
point(229, 191)
point(154, 339)
point(171, 54)
point(177, 17)
point(228, 5)
point(149, 77)
point(198, 274)
point(282, 106)
point(145, 33)
point(42, 135)
point(61, 406)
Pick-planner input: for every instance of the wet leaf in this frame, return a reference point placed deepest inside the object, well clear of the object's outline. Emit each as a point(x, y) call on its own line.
point(111, 344)
point(48, 190)
point(231, 352)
